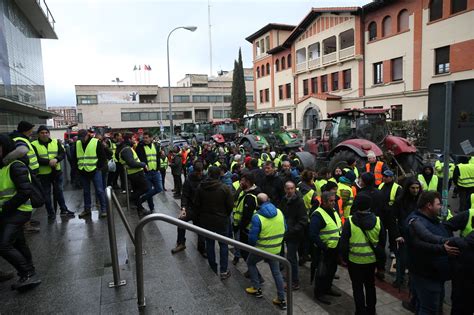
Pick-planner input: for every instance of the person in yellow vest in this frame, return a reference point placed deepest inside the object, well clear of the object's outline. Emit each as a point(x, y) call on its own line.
point(345, 192)
point(163, 159)
point(266, 233)
point(375, 167)
point(50, 153)
point(321, 179)
point(135, 172)
point(148, 153)
point(362, 236)
point(439, 171)
point(90, 157)
point(463, 178)
point(15, 211)
point(305, 188)
point(390, 191)
point(352, 166)
point(427, 178)
point(325, 231)
point(114, 176)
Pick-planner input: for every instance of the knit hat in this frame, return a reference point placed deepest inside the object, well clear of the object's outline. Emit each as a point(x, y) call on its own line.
point(42, 127)
point(24, 126)
point(350, 175)
point(368, 179)
point(361, 202)
point(81, 134)
point(328, 186)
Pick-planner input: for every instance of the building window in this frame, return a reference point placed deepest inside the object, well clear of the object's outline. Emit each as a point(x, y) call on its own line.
point(386, 26)
point(288, 119)
point(403, 24)
point(180, 98)
point(314, 85)
point(280, 92)
point(372, 31)
point(257, 48)
point(397, 69)
point(250, 98)
point(305, 87)
point(200, 99)
point(277, 65)
point(263, 70)
point(267, 43)
point(86, 99)
point(79, 118)
point(329, 45)
point(268, 68)
point(324, 83)
point(261, 96)
point(458, 6)
point(283, 63)
point(248, 78)
point(335, 81)
point(216, 98)
point(262, 46)
point(227, 98)
point(288, 90)
point(288, 61)
point(442, 60)
point(267, 95)
point(378, 73)
point(436, 9)
point(346, 74)
point(221, 113)
point(396, 112)
point(258, 72)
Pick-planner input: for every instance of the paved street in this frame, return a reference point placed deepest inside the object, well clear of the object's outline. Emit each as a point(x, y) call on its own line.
point(72, 258)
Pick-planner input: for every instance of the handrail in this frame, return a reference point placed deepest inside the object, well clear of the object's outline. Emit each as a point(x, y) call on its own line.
point(208, 234)
point(126, 187)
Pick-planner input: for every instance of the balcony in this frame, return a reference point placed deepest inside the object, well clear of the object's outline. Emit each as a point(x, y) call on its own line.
point(38, 14)
point(314, 63)
point(346, 53)
point(301, 66)
point(329, 58)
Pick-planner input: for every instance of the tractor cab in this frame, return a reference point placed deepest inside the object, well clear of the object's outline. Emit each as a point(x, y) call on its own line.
point(187, 130)
point(224, 130)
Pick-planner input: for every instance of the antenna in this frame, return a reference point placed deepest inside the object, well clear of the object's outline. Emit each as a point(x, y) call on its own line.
point(210, 36)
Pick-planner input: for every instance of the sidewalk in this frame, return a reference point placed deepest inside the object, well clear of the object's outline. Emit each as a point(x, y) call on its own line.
point(72, 258)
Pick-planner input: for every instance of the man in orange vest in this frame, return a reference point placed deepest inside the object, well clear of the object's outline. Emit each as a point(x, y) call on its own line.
point(375, 167)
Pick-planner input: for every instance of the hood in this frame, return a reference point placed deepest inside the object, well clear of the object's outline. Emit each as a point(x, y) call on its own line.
point(366, 220)
point(268, 210)
point(406, 187)
point(426, 166)
point(210, 184)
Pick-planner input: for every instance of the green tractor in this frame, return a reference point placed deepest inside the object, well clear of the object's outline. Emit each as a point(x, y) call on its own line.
point(265, 129)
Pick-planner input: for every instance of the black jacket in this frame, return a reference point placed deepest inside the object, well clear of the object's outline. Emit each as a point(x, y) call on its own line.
point(142, 155)
point(377, 204)
point(404, 206)
point(365, 220)
point(102, 158)
point(188, 191)
point(462, 265)
point(19, 175)
point(273, 186)
point(296, 217)
point(125, 152)
point(176, 165)
point(249, 207)
point(213, 205)
point(16, 134)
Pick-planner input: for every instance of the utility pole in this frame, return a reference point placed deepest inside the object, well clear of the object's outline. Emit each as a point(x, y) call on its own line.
point(210, 36)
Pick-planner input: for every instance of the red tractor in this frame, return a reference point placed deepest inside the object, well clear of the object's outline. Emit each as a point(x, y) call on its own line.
point(354, 132)
point(224, 130)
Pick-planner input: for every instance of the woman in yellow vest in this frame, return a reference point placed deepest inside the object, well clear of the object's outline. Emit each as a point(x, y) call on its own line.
point(15, 211)
point(362, 236)
point(427, 178)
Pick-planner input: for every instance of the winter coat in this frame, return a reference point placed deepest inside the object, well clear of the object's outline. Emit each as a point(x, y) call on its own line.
point(176, 165)
point(268, 210)
point(19, 174)
point(404, 206)
point(213, 205)
point(226, 179)
point(189, 189)
point(296, 217)
point(273, 186)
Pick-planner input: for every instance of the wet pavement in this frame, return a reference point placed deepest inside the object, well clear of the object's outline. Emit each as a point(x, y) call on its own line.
point(72, 258)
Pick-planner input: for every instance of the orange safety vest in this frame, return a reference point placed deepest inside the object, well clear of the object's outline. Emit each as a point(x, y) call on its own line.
point(341, 211)
point(354, 191)
point(377, 171)
point(184, 156)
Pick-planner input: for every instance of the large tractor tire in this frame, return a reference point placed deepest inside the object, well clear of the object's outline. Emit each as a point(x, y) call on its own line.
point(341, 157)
point(307, 160)
point(410, 162)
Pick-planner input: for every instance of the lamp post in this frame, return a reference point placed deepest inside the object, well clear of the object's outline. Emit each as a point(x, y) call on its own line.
point(189, 28)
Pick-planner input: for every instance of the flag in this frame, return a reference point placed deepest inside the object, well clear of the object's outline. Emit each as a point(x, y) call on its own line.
point(145, 67)
point(139, 67)
point(149, 67)
point(135, 68)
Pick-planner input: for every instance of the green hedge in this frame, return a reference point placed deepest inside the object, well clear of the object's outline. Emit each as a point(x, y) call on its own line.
point(414, 130)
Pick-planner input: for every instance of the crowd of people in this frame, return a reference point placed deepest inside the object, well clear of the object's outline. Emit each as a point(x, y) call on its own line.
point(355, 216)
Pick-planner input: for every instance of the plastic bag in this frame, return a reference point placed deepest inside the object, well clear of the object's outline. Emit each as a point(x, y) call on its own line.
point(112, 167)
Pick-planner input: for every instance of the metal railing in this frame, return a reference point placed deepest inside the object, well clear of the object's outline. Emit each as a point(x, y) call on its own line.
point(208, 234)
point(113, 200)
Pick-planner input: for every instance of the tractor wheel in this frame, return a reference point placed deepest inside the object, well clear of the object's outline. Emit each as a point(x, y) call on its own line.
point(341, 157)
point(410, 162)
point(307, 160)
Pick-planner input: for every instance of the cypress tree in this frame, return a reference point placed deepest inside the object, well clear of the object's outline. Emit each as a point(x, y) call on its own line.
point(239, 98)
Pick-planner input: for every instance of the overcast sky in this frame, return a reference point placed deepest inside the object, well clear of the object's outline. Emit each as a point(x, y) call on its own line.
point(103, 39)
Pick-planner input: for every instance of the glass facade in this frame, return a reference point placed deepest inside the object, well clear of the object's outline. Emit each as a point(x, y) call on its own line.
point(21, 64)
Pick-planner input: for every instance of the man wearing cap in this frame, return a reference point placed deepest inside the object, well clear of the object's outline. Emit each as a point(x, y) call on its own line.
point(362, 236)
point(390, 192)
point(90, 156)
point(375, 167)
point(50, 154)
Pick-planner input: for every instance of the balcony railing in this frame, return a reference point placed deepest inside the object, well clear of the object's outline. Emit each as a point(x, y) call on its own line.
point(332, 57)
point(314, 63)
point(47, 12)
point(301, 66)
point(346, 52)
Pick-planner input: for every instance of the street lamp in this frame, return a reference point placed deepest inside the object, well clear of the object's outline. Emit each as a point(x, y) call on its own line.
point(189, 28)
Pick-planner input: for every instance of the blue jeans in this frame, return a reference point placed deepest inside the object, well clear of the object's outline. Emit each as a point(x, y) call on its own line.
point(292, 256)
point(56, 180)
point(252, 261)
point(99, 190)
point(429, 294)
point(223, 253)
point(155, 186)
